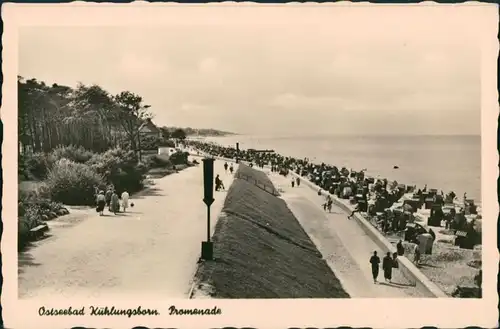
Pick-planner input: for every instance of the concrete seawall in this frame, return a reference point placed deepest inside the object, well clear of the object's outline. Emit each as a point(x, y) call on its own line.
point(409, 270)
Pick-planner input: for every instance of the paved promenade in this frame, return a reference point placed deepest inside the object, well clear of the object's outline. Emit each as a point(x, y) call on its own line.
point(151, 251)
point(343, 243)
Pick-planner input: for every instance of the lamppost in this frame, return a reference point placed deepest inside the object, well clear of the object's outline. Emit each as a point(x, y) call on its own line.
point(237, 152)
point(207, 249)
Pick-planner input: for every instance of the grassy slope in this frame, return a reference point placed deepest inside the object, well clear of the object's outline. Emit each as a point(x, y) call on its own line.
point(262, 251)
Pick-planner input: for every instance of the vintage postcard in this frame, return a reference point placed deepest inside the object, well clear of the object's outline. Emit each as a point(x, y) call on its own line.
point(272, 166)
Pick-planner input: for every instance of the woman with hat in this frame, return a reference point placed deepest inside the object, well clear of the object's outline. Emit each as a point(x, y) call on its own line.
point(101, 202)
point(115, 203)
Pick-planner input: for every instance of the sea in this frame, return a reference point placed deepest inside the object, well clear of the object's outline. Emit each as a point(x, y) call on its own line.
point(447, 163)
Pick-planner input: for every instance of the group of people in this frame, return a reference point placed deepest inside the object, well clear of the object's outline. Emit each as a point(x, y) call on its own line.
point(231, 168)
point(371, 195)
point(295, 180)
point(219, 184)
point(388, 263)
point(111, 200)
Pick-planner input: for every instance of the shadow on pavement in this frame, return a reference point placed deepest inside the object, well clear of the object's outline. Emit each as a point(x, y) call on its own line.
point(132, 213)
point(404, 284)
point(123, 214)
point(396, 285)
point(25, 259)
point(152, 191)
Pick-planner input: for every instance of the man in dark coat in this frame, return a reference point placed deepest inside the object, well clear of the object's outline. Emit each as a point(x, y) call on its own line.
point(107, 196)
point(400, 248)
point(387, 265)
point(375, 262)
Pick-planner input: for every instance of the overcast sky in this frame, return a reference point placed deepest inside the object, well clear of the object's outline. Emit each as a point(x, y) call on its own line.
point(326, 70)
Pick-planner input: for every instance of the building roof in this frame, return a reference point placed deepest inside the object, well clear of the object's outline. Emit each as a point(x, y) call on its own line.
point(149, 127)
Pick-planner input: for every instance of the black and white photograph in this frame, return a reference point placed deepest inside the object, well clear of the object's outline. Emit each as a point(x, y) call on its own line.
point(200, 154)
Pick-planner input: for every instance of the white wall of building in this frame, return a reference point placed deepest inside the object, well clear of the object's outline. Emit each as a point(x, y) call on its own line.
point(166, 150)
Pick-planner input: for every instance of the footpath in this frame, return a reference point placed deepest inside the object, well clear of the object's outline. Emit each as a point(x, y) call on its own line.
point(343, 243)
point(151, 251)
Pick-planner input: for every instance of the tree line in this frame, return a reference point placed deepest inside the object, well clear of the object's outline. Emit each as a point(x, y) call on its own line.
point(89, 116)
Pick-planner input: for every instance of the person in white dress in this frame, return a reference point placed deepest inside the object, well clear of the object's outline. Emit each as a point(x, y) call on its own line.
point(125, 197)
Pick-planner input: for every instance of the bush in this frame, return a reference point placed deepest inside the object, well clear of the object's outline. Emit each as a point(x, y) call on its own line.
point(31, 217)
point(36, 165)
point(159, 161)
point(73, 183)
point(120, 168)
point(74, 153)
point(179, 158)
point(33, 210)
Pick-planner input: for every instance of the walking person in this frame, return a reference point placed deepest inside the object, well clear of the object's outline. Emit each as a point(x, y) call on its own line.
point(225, 166)
point(115, 203)
point(231, 168)
point(329, 204)
point(107, 197)
point(357, 209)
point(101, 202)
point(293, 182)
point(298, 181)
point(395, 263)
point(416, 254)
point(387, 264)
point(125, 197)
point(375, 262)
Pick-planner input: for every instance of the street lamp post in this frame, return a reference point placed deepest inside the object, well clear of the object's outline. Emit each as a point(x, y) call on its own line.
point(237, 152)
point(208, 198)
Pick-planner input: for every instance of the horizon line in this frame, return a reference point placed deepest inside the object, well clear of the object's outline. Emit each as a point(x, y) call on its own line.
point(360, 135)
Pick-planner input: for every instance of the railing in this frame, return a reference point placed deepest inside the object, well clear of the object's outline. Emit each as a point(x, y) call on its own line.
point(265, 187)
